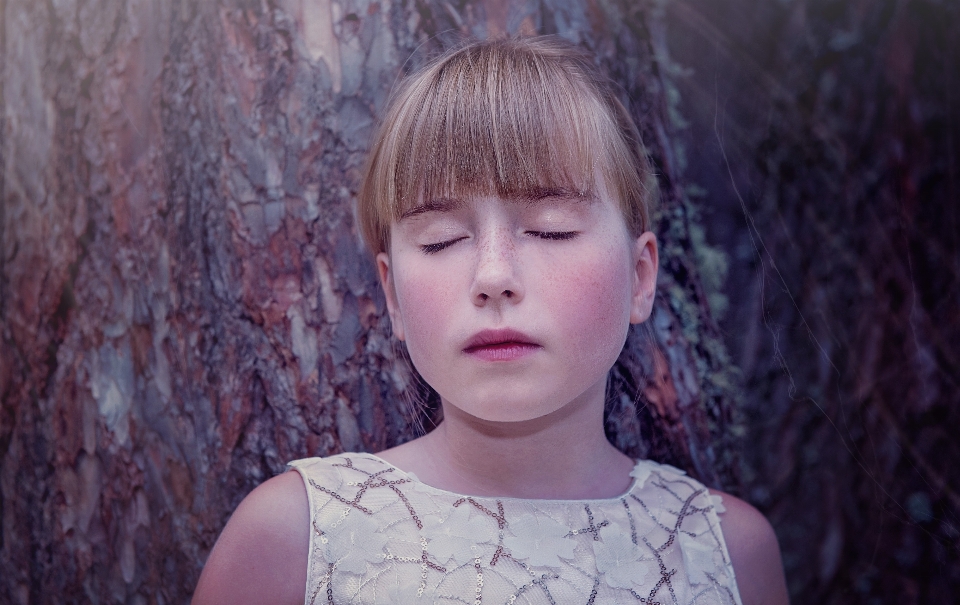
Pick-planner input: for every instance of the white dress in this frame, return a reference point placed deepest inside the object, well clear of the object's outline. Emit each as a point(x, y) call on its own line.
point(379, 535)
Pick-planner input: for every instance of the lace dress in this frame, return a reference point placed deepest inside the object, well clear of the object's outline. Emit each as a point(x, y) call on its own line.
point(379, 535)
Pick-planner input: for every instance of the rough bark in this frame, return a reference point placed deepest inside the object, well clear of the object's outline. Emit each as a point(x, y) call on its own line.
point(186, 303)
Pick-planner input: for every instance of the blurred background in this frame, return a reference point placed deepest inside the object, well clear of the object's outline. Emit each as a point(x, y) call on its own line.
point(822, 139)
point(185, 304)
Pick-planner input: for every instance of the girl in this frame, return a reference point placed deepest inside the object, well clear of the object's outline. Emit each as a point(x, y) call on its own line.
point(506, 201)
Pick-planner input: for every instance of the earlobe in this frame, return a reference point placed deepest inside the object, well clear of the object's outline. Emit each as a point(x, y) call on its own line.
point(390, 293)
point(645, 266)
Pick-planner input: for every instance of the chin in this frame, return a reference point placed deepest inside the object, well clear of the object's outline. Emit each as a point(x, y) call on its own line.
point(514, 415)
point(506, 410)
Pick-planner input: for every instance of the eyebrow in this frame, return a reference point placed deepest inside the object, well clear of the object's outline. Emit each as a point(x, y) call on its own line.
point(528, 197)
point(443, 204)
point(562, 193)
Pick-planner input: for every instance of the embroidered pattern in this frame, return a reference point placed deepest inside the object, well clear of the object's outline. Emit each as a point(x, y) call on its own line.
point(380, 536)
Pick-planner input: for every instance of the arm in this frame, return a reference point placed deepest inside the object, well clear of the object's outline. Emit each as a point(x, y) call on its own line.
point(261, 556)
point(754, 553)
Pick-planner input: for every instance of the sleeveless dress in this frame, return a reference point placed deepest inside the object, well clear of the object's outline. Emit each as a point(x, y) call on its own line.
point(379, 535)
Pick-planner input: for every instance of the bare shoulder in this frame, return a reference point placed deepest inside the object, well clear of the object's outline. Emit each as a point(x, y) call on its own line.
point(411, 457)
point(261, 555)
point(754, 552)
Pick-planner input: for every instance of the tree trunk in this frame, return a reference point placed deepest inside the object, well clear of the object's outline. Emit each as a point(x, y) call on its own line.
point(186, 304)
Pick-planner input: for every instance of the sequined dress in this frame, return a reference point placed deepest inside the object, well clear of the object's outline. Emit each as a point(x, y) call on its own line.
point(379, 535)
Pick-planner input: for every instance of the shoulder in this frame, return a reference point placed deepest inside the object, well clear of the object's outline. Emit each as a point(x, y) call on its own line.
point(261, 555)
point(754, 552)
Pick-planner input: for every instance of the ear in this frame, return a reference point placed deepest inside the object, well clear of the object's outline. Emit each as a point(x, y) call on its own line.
point(390, 292)
point(646, 262)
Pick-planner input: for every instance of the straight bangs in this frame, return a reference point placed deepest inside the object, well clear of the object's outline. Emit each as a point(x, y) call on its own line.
point(519, 119)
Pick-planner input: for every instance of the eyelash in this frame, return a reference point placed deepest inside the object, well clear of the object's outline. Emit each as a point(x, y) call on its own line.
point(555, 235)
point(549, 235)
point(434, 248)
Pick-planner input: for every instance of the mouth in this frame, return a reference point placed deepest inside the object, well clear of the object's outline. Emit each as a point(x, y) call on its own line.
point(500, 345)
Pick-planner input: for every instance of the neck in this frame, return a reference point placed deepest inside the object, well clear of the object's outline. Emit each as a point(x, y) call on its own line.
point(563, 455)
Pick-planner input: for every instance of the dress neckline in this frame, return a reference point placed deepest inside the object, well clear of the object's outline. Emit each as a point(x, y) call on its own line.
point(639, 475)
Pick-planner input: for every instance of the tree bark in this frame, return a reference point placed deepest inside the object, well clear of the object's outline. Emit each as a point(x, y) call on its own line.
point(186, 302)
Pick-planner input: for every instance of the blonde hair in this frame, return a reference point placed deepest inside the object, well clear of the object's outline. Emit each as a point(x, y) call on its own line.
point(511, 117)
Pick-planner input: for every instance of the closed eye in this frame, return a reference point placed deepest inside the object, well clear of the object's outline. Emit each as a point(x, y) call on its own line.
point(555, 235)
point(434, 248)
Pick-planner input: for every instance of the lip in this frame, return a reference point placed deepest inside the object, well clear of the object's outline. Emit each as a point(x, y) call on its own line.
point(504, 344)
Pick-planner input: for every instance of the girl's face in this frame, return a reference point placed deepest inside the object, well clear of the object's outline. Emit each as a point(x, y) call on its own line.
point(515, 308)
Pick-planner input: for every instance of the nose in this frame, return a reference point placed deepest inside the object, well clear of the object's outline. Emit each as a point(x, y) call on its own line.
point(497, 274)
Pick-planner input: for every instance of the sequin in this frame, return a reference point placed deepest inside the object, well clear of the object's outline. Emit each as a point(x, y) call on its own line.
point(660, 543)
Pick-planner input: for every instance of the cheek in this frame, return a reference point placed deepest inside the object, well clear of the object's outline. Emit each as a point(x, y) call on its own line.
point(597, 306)
point(423, 302)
